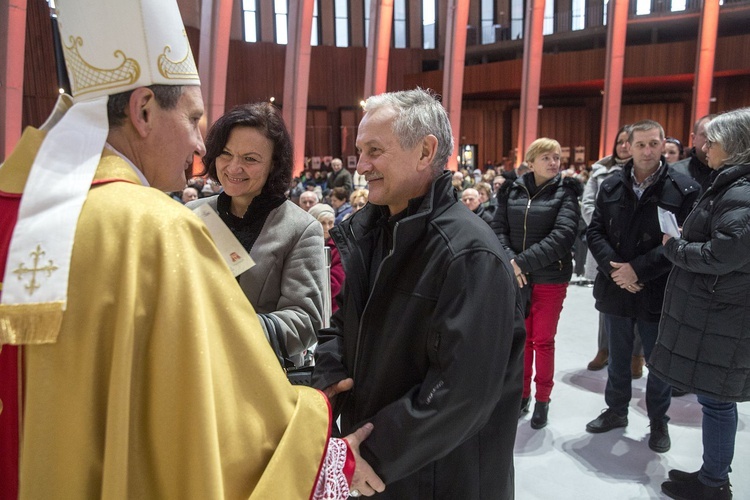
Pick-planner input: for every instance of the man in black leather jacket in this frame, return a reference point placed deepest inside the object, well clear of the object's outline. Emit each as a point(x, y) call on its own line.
point(625, 239)
point(412, 348)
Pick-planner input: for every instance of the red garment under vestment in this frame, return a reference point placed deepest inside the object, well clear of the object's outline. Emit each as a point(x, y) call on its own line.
point(9, 366)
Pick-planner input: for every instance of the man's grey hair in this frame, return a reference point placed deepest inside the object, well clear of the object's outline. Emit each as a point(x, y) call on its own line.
point(311, 193)
point(418, 114)
point(732, 131)
point(645, 126)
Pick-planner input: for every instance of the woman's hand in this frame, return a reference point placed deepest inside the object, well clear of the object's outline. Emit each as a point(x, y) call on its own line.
point(665, 239)
point(520, 277)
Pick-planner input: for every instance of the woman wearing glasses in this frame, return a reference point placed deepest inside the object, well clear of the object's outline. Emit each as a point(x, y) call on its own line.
point(704, 340)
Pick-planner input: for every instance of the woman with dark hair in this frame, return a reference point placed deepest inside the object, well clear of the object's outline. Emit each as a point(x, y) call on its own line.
point(673, 150)
point(249, 152)
point(703, 345)
point(600, 171)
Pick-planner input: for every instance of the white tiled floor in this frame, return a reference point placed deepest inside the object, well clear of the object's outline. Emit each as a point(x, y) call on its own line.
point(564, 462)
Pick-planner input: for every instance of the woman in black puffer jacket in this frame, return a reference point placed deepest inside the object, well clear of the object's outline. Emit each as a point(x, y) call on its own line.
point(536, 221)
point(704, 333)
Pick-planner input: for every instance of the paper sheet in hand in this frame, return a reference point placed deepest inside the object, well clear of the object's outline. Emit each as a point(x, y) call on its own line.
point(229, 246)
point(668, 223)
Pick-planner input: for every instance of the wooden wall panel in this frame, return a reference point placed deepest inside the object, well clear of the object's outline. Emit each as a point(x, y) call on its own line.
point(348, 131)
point(319, 134)
point(660, 60)
point(40, 77)
point(731, 93)
point(671, 116)
point(572, 67)
point(731, 54)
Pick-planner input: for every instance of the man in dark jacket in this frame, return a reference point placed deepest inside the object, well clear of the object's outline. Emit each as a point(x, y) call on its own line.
point(625, 239)
point(412, 347)
point(339, 176)
point(695, 165)
point(470, 198)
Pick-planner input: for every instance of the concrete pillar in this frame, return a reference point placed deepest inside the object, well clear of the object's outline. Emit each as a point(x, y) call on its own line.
point(453, 71)
point(704, 60)
point(378, 47)
point(216, 24)
point(297, 77)
point(12, 42)
point(533, 43)
point(617, 26)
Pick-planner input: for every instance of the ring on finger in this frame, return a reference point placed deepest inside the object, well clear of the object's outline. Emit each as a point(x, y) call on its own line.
point(355, 493)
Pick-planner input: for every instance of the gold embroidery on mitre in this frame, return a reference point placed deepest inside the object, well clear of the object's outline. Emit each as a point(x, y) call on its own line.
point(23, 270)
point(184, 69)
point(86, 78)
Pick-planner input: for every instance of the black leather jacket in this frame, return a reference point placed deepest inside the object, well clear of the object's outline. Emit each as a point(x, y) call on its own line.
point(438, 376)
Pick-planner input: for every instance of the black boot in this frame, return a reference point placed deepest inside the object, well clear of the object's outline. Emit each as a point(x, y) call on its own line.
point(539, 417)
point(693, 489)
point(524, 407)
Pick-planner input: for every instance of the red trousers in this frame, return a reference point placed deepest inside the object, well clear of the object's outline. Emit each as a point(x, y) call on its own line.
point(541, 327)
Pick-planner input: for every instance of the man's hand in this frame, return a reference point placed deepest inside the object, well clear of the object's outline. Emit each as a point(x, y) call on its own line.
point(338, 387)
point(665, 239)
point(365, 481)
point(520, 277)
point(625, 277)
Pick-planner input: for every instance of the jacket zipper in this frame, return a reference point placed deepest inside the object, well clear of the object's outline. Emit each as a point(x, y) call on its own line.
point(367, 304)
point(528, 206)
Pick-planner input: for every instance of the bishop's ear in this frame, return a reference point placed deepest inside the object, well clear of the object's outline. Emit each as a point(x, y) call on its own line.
point(140, 110)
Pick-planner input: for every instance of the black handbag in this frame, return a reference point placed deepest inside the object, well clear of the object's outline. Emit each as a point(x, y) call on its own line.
point(296, 375)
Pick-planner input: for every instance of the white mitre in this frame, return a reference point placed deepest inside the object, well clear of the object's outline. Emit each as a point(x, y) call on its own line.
point(110, 46)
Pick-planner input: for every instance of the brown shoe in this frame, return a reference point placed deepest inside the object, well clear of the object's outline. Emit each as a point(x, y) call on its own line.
point(636, 366)
point(600, 360)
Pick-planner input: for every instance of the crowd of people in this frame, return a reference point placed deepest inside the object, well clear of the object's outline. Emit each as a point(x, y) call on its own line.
point(553, 222)
point(175, 377)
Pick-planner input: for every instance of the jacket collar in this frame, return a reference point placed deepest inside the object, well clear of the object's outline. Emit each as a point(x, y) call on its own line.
point(730, 173)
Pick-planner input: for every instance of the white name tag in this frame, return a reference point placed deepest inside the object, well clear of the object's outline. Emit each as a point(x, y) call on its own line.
point(229, 246)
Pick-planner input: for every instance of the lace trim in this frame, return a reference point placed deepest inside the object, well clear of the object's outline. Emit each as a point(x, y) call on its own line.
point(332, 483)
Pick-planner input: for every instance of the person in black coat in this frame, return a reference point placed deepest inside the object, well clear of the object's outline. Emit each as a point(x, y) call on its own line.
point(704, 341)
point(694, 165)
point(536, 221)
point(470, 197)
point(412, 345)
point(625, 239)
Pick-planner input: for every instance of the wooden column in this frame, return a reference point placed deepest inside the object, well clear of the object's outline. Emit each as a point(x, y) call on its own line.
point(533, 43)
point(378, 47)
point(216, 24)
point(453, 69)
point(297, 77)
point(12, 43)
point(617, 26)
point(704, 60)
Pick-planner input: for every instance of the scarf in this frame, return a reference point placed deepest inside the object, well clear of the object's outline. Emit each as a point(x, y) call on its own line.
point(248, 228)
